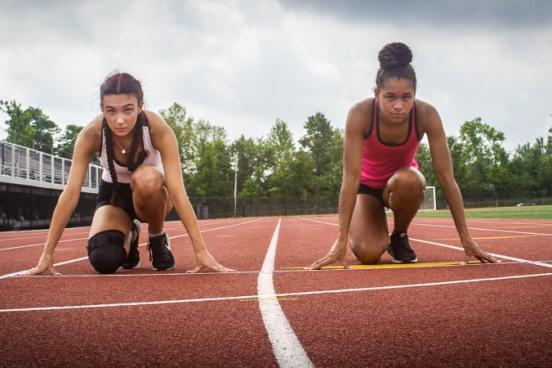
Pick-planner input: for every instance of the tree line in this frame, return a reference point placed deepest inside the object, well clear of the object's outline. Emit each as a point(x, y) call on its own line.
point(307, 169)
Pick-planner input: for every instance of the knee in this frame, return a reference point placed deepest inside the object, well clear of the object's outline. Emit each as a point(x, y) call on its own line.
point(369, 253)
point(106, 251)
point(146, 181)
point(407, 183)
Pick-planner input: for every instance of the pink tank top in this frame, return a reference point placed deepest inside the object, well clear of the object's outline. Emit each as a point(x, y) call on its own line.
point(381, 160)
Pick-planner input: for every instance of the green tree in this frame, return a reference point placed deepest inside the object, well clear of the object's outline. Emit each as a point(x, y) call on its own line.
point(530, 170)
point(182, 126)
point(279, 153)
point(334, 174)
point(29, 127)
point(325, 147)
point(19, 124)
point(213, 172)
point(66, 143)
point(485, 159)
point(318, 135)
point(252, 164)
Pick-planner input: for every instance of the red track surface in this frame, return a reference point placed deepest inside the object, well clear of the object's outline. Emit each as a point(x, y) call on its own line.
point(460, 316)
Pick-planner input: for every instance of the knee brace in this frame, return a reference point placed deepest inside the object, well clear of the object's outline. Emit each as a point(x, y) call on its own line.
point(106, 251)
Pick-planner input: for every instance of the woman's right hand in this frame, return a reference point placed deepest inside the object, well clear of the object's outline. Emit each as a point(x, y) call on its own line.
point(337, 254)
point(45, 263)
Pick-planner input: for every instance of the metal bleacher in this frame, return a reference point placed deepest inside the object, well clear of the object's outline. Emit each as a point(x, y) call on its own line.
point(26, 166)
point(30, 183)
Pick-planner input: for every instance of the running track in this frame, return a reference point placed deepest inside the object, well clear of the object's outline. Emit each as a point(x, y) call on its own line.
point(272, 313)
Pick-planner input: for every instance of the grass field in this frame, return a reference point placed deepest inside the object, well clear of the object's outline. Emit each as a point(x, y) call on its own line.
point(532, 212)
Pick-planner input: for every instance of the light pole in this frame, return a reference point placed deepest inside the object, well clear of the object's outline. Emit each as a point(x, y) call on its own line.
point(236, 185)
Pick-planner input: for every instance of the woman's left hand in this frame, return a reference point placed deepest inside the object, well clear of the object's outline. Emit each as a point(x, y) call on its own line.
point(473, 251)
point(204, 259)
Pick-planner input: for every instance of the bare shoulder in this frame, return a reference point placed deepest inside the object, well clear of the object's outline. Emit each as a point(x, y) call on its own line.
point(156, 122)
point(425, 109)
point(427, 115)
point(160, 131)
point(91, 134)
point(359, 118)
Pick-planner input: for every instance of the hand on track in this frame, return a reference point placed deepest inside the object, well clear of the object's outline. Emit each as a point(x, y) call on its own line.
point(45, 263)
point(336, 254)
point(473, 251)
point(206, 260)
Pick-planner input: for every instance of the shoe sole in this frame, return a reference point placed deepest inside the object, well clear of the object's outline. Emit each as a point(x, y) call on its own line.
point(396, 261)
point(164, 269)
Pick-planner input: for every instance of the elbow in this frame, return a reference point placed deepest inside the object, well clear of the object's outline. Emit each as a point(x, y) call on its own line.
point(70, 195)
point(350, 180)
point(445, 177)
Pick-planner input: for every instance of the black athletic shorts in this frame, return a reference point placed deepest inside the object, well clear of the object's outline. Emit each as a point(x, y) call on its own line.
point(375, 192)
point(104, 197)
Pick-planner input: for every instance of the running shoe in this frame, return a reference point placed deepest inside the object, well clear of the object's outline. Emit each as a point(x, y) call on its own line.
point(399, 249)
point(161, 256)
point(133, 258)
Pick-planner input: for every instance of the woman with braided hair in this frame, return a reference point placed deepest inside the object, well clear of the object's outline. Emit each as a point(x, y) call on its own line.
point(382, 135)
point(141, 182)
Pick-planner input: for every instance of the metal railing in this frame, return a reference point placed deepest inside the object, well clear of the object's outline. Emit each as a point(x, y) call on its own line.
point(26, 166)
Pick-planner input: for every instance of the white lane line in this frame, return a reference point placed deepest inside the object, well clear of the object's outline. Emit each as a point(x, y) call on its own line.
point(40, 244)
point(507, 222)
point(520, 260)
point(142, 244)
point(515, 259)
point(486, 229)
point(286, 346)
point(282, 295)
point(67, 240)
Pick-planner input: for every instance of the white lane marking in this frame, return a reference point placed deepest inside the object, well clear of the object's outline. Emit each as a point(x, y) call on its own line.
point(286, 346)
point(69, 240)
point(39, 244)
point(168, 225)
point(515, 259)
point(142, 244)
point(520, 260)
point(486, 229)
point(282, 295)
point(500, 222)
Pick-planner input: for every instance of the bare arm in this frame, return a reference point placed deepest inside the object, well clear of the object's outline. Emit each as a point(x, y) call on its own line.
point(86, 144)
point(352, 160)
point(165, 141)
point(442, 164)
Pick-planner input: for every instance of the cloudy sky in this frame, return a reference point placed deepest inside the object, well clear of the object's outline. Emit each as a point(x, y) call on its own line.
point(243, 64)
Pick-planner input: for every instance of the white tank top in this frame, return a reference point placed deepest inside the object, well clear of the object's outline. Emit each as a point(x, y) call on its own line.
point(123, 174)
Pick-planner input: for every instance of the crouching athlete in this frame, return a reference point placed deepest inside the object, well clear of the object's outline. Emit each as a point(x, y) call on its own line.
point(141, 181)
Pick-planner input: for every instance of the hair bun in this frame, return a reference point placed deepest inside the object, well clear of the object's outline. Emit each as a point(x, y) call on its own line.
point(394, 55)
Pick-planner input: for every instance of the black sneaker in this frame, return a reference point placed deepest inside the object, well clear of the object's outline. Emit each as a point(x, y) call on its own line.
point(400, 250)
point(133, 258)
point(160, 253)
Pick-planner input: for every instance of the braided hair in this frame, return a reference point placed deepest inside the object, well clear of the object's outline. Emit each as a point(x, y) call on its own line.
point(121, 83)
point(395, 59)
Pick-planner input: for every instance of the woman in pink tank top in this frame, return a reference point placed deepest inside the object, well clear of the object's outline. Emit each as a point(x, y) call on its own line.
point(379, 169)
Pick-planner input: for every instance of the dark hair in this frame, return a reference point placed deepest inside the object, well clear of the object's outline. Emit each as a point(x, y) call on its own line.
point(115, 84)
point(119, 83)
point(395, 61)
